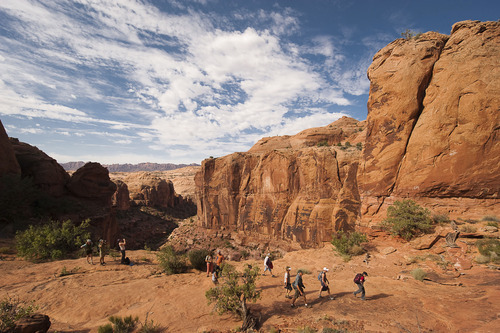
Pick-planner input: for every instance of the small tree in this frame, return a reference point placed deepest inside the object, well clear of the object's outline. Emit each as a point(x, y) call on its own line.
point(407, 219)
point(232, 295)
point(11, 310)
point(197, 259)
point(348, 244)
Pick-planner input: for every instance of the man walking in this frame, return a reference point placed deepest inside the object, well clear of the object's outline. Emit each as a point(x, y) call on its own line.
point(360, 279)
point(299, 287)
point(268, 265)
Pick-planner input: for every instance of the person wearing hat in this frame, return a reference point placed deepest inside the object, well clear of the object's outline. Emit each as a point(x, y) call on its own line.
point(88, 251)
point(288, 285)
point(359, 279)
point(325, 284)
point(268, 265)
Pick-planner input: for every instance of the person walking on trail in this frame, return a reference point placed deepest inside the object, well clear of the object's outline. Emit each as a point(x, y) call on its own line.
point(299, 287)
point(88, 251)
point(101, 246)
point(268, 265)
point(218, 262)
point(325, 284)
point(360, 279)
point(209, 260)
point(121, 244)
point(288, 285)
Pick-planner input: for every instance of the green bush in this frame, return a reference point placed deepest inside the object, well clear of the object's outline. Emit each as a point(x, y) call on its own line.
point(468, 228)
point(323, 143)
point(492, 224)
point(197, 259)
point(120, 325)
point(359, 145)
point(11, 310)
point(407, 219)
point(54, 240)
point(410, 34)
point(348, 244)
point(170, 261)
point(440, 218)
point(419, 274)
point(237, 289)
point(489, 248)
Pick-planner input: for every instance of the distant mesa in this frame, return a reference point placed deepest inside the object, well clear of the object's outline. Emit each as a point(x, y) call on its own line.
point(72, 166)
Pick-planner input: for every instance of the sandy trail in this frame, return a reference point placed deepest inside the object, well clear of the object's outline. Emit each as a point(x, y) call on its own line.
point(83, 301)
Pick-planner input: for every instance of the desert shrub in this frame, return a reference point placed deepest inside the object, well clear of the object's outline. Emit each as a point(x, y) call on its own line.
point(170, 261)
point(245, 254)
point(348, 244)
point(407, 219)
point(323, 143)
point(12, 309)
point(119, 325)
point(54, 240)
point(492, 224)
point(359, 146)
point(149, 326)
point(419, 274)
point(491, 218)
point(489, 248)
point(440, 218)
point(468, 228)
point(232, 295)
point(410, 34)
point(197, 259)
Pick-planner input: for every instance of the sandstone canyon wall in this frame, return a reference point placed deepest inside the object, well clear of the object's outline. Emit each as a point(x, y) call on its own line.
point(431, 135)
point(285, 187)
point(433, 122)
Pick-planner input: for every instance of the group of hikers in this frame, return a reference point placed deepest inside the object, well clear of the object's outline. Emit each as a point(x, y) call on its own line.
point(214, 268)
point(89, 251)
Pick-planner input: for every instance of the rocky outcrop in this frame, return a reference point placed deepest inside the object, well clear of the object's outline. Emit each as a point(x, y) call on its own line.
point(45, 172)
point(300, 188)
point(36, 323)
point(433, 123)
point(146, 189)
point(92, 182)
point(121, 197)
point(8, 162)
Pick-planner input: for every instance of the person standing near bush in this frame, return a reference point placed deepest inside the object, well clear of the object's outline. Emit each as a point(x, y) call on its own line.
point(88, 251)
point(268, 265)
point(325, 284)
point(121, 244)
point(209, 260)
point(288, 285)
point(101, 251)
point(360, 279)
point(299, 287)
point(218, 262)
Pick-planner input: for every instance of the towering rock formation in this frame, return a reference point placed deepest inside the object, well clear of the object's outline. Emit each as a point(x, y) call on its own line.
point(433, 123)
point(8, 161)
point(300, 187)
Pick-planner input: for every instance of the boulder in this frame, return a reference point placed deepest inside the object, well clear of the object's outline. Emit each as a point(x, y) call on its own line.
point(45, 172)
point(36, 323)
point(121, 197)
point(147, 189)
point(92, 182)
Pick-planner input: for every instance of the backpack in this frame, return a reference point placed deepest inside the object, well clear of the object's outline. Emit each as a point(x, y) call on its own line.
point(320, 276)
point(357, 278)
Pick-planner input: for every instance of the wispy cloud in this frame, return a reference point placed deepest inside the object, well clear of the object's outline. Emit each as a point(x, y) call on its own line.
point(178, 80)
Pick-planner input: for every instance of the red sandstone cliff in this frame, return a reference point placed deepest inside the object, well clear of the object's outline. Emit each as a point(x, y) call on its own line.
point(285, 187)
point(8, 162)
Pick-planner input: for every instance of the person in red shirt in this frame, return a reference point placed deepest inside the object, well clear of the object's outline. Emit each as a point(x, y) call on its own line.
point(360, 279)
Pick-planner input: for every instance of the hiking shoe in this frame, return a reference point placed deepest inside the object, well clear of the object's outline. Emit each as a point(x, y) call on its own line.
point(363, 299)
point(307, 306)
point(331, 297)
point(320, 296)
point(292, 305)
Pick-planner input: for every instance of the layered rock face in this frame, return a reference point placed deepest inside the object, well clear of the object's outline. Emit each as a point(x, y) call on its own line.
point(285, 187)
point(433, 124)
point(148, 190)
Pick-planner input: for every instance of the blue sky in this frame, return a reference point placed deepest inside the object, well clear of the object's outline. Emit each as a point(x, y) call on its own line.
point(173, 81)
